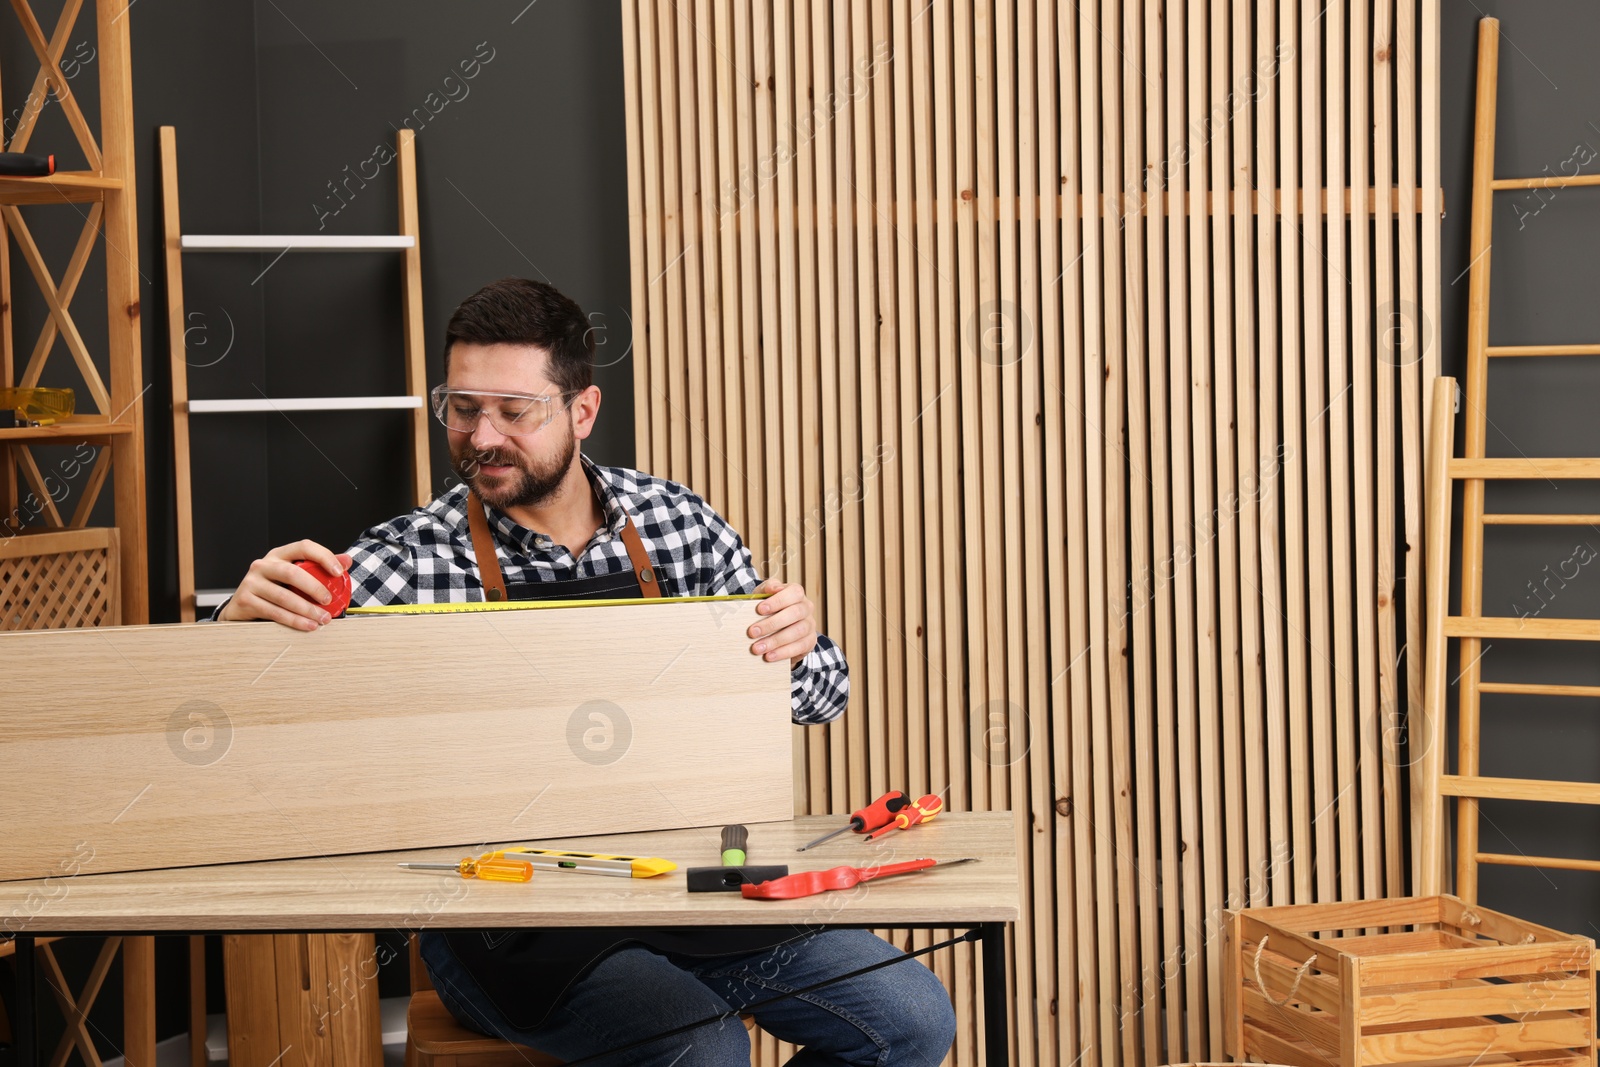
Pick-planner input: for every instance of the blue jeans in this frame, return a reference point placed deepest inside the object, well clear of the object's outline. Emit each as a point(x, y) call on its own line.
point(898, 1016)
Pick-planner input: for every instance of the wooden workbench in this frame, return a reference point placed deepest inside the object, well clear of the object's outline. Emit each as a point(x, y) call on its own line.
point(367, 891)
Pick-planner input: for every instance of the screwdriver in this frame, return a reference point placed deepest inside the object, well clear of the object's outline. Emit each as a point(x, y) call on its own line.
point(922, 811)
point(810, 883)
point(489, 870)
point(872, 817)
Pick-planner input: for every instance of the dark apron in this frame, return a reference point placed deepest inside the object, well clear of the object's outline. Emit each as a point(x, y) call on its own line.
point(525, 972)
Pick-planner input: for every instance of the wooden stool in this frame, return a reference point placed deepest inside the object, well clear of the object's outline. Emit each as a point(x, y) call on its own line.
point(435, 1039)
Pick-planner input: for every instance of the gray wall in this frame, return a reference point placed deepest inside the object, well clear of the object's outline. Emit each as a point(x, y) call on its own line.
point(523, 171)
point(1543, 290)
point(279, 107)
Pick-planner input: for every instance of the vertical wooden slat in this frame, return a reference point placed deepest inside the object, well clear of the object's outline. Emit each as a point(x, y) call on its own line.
point(672, 398)
point(1363, 671)
point(723, 214)
point(708, 248)
point(635, 91)
point(1224, 529)
point(1317, 634)
point(1097, 873)
point(853, 488)
point(1337, 421)
point(178, 367)
point(1391, 334)
point(650, 380)
point(1269, 468)
point(1183, 143)
point(690, 407)
point(1294, 416)
point(751, 177)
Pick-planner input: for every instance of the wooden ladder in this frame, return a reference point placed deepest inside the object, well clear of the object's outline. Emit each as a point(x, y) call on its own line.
point(407, 242)
point(1472, 627)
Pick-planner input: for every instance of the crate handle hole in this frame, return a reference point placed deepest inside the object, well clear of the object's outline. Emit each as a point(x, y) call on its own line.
point(1299, 974)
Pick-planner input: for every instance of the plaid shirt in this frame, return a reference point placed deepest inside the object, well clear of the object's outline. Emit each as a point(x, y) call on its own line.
point(426, 557)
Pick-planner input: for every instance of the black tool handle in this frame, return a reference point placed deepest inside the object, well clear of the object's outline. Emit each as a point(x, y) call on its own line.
point(26, 165)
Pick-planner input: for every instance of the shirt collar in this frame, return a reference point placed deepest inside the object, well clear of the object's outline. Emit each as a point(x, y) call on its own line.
point(610, 498)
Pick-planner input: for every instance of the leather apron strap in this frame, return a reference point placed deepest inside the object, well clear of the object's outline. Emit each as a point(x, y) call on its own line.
point(494, 583)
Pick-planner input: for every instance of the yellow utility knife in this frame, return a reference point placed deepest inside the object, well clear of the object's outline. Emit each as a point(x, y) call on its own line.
point(550, 859)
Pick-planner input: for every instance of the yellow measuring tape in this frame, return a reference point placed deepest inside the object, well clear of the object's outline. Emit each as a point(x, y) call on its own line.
point(537, 605)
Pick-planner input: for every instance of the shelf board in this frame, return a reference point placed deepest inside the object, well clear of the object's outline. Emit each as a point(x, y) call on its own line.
point(318, 242)
point(65, 187)
point(304, 403)
point(85, 429)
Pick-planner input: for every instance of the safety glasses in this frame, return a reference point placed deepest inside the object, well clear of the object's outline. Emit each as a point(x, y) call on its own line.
point(510, 414)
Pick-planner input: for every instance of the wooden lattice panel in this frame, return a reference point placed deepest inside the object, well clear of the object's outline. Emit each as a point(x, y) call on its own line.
point(60, 580)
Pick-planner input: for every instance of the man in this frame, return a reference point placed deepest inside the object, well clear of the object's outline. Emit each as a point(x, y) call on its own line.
point(535, 519)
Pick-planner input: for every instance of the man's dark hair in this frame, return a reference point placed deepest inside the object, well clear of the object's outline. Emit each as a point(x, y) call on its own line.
point(520, 311)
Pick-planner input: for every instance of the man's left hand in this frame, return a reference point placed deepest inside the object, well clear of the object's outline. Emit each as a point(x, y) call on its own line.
point(787, 626)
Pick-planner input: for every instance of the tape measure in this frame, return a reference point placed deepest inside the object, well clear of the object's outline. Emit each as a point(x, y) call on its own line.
point(549, 859)
point(538, 605)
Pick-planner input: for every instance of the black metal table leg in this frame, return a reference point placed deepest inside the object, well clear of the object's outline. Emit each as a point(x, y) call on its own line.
point(26, 1027)
point(997, 1027)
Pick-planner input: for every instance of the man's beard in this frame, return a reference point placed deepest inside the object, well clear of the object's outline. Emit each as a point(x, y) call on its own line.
point(528, 485)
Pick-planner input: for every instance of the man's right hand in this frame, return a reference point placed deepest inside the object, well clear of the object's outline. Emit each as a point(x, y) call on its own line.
point(276, 589)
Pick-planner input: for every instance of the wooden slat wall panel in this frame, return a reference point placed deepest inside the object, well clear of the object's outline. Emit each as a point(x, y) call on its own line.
point(1071, 356)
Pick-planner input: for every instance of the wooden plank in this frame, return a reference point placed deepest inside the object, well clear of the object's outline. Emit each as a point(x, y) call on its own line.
point(1471, 1040)
point(1040, 452)
point(1348, 600)
point(634, 91)
point(1317, 635)
point(1450, 965)
point(691, 415)
point(411, 312)
point(249, 967)
point(1475, 468)
point(749, 177)
point(1182, 130)
point(1319, 1030)
point(830, 573)
point(944, 408)
point(1294, 536)
point(1256, 859)
point(1348, 915)
point(1157, 592)
point(1072, 757)
point(1142, 127)
point(1422, 1005)
point(1269, 471)
point(182, 690)
point(674, 461)
point(853, 490)
point(1392, 337)
point(1231, 844)
point(1552, 862)
point(1528, 629)
point(1537, 789)
point(651, 315)
point(1427, 818)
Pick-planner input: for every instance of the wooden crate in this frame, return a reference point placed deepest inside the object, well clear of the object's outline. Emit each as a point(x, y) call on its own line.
point(60, 580)
point(1418, 980)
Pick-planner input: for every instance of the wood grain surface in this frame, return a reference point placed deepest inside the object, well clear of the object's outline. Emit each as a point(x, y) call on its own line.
point(228, 742)
point(368, 891)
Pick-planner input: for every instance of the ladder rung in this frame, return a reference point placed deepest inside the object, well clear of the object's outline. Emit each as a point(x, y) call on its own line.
point(212, 598)
point(1529, 629)
point(1543, 350)
point(1549, 182)
point(1553, 862)
point(305, 403)
point(1460, 785)
point(1539, 689)
point(1508, 519)
point(316, 242)
point(1541, 469)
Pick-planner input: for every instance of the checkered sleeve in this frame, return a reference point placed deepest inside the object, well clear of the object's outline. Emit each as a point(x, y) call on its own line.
point(819, 683)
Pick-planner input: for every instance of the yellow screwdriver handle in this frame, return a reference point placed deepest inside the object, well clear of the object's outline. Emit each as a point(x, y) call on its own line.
point(497, 870)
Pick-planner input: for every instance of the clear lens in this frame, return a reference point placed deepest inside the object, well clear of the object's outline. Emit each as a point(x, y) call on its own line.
point(511, 414)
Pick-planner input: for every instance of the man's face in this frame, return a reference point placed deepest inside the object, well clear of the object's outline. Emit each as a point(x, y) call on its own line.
point(511, 471)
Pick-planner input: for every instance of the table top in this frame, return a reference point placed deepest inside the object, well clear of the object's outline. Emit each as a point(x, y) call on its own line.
point(368, 890)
